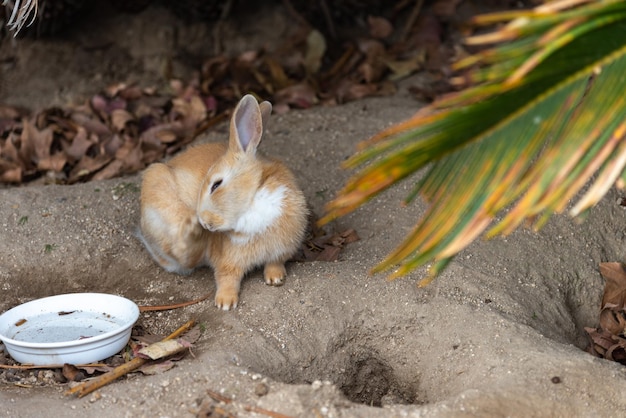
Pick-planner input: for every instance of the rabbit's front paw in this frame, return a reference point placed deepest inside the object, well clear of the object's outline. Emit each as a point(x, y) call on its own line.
point(190, 228)
point(226, 299)
point(274, 274)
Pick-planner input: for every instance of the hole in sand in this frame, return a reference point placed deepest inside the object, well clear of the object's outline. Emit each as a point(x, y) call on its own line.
point(369, 380)
point(359, 362)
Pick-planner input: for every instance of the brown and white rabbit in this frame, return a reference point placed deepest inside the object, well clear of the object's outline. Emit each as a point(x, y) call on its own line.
point(226, 207)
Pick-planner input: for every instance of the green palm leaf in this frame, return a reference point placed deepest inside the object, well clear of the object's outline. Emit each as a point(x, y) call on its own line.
point(546, 113)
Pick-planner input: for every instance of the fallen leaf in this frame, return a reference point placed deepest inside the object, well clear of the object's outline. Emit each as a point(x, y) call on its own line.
point(301, 96)
point(379, 27)
point(110, 170)
point(404, 68)
point(329, 253)
point(102, 368)
point(91, 124)
point(613, 319)
point(11, 112)
point(615, 284)
point(321, 246)
point(54, 162)
point(154, 368)
point(10, 172)
point(428, 37)
point(86, 166)
point(349, 90)
point(601, 341)
point(316, 48)
point(127, 126)
point(445, 8)
point(192, 336)
point(72, 373)
point(608, 340)
point(162, 349)
point(617, 352)
point(119, 119)
point(79, 145)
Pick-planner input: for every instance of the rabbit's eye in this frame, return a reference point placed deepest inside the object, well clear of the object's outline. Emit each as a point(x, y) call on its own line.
point(215, 185)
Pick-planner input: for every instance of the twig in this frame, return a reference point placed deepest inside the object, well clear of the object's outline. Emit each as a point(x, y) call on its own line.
point(248, 408)
point(174, 306)
point(203, 126)
point(49, 366)
point(106, 378)
point(295, 14)
point(339, 67)
point(219, 397)
point(218, 29)
point(412, 18)
point(329, 18)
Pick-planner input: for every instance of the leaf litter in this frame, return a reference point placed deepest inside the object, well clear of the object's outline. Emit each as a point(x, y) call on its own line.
point(608, 340)
point(159, 355)
point(125, 127)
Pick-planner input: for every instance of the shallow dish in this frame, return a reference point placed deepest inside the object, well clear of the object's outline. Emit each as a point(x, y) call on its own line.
point(75, 328)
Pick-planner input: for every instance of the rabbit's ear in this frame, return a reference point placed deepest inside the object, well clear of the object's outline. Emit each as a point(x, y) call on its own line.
point(246, 126)
point(266, 111)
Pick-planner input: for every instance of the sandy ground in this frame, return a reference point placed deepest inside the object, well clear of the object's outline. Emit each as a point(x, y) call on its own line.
point(500, 333)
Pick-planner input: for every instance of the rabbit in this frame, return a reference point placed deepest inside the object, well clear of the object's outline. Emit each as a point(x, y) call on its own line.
point(226, 207)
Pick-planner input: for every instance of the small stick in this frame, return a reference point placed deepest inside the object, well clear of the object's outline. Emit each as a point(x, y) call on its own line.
point(248, 408)
point(174, 306)
point(205, 125)
point(48, 366)
point(329, 19)
point(411, 20)
point(295, 14)
point(106, 378)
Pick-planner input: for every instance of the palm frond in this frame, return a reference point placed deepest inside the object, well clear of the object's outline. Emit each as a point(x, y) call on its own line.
point(19, 13)
point(545, 114)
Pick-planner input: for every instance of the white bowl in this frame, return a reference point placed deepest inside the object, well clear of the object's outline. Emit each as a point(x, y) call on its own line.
point(75, 328)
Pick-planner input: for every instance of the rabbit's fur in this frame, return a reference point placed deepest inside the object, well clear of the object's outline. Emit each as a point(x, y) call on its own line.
point(224, 206)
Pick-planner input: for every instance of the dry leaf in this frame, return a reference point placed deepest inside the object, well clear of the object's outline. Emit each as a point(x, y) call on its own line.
point(157, 367)
point(349, 91)
point(79, 145)
point(601, 341)
point(102, 368)
point(617, 351)
point(126, 126)
point(404, 68)
point(72, 373)
point(301, 96)
point(119, 119)
point(54, 162)
point(379, 27)
point(613, 319)
point(608, 340)
point(110, 170)
point(316, 48)
point(163, 348)
point(86, 166)
point(319, 246)
point(10, 172)
point(445, 8)
point(615, 285)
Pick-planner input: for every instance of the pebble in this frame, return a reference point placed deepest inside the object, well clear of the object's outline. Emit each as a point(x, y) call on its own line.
point(261, 389)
